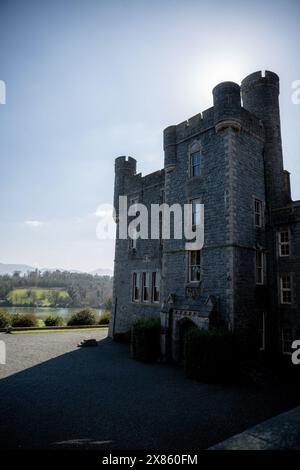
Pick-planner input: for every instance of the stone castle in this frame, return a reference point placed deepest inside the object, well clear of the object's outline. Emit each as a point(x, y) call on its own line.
point(247, 276)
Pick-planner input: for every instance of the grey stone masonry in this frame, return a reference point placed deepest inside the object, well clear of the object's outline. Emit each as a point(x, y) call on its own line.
point(248, 269)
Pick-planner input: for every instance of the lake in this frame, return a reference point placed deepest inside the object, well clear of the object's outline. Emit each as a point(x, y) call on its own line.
point(43, 312)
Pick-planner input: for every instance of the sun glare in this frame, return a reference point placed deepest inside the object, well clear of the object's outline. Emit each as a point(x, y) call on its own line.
point(211, 72)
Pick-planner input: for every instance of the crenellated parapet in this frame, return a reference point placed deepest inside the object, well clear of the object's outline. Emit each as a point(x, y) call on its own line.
point(125, 166)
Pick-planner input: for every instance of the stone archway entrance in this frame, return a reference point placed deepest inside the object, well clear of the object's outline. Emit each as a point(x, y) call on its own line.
point(184, 326)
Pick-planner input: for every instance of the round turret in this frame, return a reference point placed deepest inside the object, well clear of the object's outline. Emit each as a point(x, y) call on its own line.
point(125, 166)
point(260, 95)
point(170, 146)
point(227, 103)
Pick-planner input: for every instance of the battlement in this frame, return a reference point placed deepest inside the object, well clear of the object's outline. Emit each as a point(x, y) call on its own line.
point(194, 125)
point(125, 165)
point(259, 78)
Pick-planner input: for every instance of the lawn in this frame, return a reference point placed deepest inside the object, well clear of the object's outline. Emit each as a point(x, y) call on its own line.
point(37, 296)
point(64, 330)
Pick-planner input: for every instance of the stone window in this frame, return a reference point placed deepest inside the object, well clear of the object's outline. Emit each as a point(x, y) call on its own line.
point(136, 286)
point(262, 331)
point(258, 213)
point(287, 340)
point(155, 287)
point(146, 287)
point(286, 289)
point(194, 266)
point(196, 211)
point(260, 267)
point(284, 242)
point(195, 163)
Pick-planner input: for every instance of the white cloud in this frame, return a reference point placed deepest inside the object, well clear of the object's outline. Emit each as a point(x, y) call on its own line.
point(33, 223)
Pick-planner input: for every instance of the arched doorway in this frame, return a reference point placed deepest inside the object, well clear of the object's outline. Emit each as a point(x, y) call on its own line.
point(184, 326)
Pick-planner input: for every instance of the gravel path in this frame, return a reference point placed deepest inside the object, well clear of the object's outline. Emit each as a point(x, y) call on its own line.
point(56, 395)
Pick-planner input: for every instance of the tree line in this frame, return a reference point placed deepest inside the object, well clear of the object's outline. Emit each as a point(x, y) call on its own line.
point(83, 289)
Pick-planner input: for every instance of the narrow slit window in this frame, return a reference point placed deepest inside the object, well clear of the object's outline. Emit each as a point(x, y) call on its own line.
point(258, 213)
point(136, 280)
point(195, 266)
point(196, 164)
point(155, 287)
point(146, 287)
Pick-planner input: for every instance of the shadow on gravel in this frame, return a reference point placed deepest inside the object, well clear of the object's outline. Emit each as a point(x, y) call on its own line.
point(98, 398)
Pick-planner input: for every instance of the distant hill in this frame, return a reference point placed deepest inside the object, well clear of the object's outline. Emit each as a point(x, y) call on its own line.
point(102, 272)
point(24, 268)
point(11, 268)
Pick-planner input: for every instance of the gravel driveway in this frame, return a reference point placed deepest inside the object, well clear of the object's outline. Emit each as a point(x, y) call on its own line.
point(56, 395)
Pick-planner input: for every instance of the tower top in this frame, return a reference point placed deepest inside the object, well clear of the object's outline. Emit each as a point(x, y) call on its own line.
point(260, 78)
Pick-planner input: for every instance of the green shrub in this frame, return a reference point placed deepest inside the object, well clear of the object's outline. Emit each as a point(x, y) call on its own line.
point(145, 340)
point(85, 316)
point(104, 318)
point(211, 355)
point(5, 319)
point(54, 321)
point(24, 320)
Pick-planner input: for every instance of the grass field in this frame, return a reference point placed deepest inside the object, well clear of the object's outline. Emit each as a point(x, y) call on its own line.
point(37, 296)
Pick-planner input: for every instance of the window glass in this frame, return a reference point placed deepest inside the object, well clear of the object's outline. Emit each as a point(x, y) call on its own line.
point(195, 271)
point(258, 212)
point(155, 286)
point(195, 164)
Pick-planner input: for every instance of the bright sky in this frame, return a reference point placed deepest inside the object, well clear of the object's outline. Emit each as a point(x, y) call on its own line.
point(89, 80)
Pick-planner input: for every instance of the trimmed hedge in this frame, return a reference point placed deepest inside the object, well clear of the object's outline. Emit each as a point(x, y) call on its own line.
point(85, 316)
point(211, 355)
point(54, 321)
point(25, 320)
point(104, 317)
point(145, 340)
point(5, 319)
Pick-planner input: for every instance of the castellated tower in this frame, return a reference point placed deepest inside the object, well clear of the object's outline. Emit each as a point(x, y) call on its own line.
point(260, 95)
point(228, 158)
point(124, 169)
